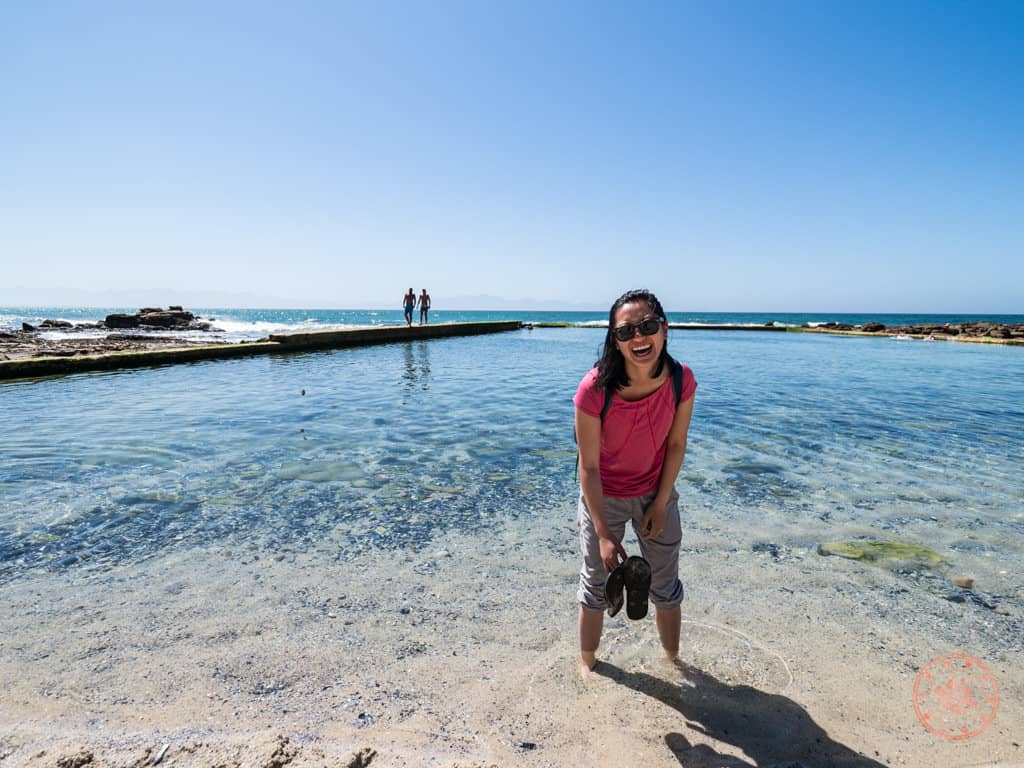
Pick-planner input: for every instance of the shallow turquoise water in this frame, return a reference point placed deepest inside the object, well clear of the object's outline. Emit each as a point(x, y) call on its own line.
point(805, 436)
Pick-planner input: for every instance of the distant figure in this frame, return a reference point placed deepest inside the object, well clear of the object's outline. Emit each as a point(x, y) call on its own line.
point(424, 302)
point(409, 300)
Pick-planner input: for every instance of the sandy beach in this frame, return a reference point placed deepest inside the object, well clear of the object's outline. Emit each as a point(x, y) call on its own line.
point(463, 656)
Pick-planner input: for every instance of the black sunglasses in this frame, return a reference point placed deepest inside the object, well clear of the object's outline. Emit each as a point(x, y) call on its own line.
point(647, 327)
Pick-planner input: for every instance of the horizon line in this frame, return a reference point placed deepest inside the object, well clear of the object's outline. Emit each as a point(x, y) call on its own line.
point(528, 309)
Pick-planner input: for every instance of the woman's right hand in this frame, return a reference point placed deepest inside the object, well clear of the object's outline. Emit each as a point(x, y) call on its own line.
point(612, 553)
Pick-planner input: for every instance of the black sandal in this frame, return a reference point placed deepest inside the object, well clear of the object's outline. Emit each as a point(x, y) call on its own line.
point(637, 576)
point(613, 590)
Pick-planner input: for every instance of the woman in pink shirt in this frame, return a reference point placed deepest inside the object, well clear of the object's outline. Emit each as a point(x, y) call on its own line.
point(630, 456)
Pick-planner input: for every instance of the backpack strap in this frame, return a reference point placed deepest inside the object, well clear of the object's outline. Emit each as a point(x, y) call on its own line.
point(607, 403)
point(677, 379)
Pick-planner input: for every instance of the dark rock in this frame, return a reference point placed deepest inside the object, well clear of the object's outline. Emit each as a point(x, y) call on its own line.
point(985, 601)
point(55, 324)
point(770, 548)
point(27, 327)
point(121, 321)
point(167, 319)
point(152, 317)
point(134, 337)
point(84, 757)
point(873, 327)
point(175, 308)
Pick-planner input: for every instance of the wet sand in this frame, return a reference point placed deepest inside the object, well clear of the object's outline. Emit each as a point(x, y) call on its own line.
point(464, 654)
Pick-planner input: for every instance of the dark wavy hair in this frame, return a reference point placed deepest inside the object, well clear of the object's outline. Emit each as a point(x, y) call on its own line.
point(611, 366)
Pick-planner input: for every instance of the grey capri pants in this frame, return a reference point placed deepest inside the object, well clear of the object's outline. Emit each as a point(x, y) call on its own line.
point(662, 553)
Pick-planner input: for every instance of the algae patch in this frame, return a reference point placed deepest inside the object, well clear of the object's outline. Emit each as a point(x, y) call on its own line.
point(877, 552)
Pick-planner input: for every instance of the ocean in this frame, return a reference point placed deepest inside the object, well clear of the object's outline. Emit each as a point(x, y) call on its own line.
point(252, 324)
point(802, 438)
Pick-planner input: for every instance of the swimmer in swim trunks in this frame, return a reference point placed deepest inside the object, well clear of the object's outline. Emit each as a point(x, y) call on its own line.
point(409, 300)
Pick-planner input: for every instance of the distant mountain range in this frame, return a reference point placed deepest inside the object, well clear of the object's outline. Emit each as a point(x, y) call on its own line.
point(485, 301)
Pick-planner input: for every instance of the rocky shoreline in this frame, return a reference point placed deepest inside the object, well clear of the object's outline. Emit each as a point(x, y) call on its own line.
point(174, 318)
point(130, 333)
point(976, 331)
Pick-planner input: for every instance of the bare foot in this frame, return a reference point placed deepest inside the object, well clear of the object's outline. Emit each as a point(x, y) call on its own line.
point(587, 661)
point(679, 667)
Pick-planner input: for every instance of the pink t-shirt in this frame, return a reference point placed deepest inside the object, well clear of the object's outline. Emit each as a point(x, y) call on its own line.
point(633, 434)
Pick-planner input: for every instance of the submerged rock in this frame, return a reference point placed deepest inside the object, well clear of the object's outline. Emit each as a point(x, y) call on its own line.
point(766, 547)
point(871, 551)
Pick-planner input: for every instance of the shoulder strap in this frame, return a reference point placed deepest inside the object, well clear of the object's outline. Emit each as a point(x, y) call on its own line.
point(677, 380)
point(607, 403)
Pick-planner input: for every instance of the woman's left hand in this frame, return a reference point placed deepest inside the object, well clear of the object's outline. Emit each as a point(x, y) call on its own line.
point(653, 522)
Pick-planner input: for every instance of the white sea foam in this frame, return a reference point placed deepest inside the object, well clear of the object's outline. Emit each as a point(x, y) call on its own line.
point(255, 328)
point(692, 324)
point(84, 333)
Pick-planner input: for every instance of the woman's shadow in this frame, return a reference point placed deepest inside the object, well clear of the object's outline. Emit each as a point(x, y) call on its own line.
point(771, 729)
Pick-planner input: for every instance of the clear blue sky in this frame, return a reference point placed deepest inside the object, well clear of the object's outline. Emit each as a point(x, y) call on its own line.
point(761, 156)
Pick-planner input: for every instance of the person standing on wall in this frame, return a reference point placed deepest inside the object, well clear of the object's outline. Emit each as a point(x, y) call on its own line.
point(424, 302)
point(409, 302)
